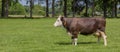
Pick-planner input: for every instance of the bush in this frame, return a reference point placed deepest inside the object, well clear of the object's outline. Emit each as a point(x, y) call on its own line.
point(38, 10)
point(17, 9)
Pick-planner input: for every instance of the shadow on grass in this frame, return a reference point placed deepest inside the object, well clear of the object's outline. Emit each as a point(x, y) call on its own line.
point(69, 43)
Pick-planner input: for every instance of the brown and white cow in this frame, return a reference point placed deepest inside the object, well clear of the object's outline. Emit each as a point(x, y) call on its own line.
point(84, 26)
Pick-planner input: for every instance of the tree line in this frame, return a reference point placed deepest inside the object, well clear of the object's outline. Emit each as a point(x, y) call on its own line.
point(68, 7)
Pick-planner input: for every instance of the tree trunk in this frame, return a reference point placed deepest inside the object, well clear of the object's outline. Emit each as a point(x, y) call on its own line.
point(6, 9)
point(47, 8)
point(3, 8)
point(73, 8)
point(93, 8)
point(115, 8)
point(53, 8)
point(113, 12)
point(65, 8)
point(73, 14)
point(31, 7)
point(105, 8)
point(86, 11)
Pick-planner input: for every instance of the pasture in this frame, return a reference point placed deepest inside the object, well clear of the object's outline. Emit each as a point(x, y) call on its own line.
point(39, 35)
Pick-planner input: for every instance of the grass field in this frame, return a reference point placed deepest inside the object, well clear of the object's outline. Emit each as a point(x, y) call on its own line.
point(39, 35)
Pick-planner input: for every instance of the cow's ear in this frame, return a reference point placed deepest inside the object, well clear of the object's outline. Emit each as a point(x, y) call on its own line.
point(62, 18)
point(63, 21)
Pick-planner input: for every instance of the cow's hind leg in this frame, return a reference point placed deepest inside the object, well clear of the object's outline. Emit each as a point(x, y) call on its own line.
point(99, 37)
point(104, 37)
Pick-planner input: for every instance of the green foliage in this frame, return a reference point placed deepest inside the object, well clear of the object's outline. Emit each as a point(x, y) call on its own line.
point(83, 12)
point(39, 35)
point(16, 9)
point(69, 4)
point(0, 4)
point(38, 10)
point(98, 5)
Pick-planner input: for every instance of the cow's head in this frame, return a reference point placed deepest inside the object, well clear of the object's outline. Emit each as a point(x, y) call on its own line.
point(59, 21)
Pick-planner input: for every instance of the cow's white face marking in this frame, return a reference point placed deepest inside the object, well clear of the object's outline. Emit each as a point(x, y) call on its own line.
point(58, 22)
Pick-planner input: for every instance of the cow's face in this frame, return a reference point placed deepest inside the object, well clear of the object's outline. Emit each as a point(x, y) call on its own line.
point(58, 22)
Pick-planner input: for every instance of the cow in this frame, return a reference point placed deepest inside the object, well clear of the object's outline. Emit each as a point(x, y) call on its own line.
point(84, 26)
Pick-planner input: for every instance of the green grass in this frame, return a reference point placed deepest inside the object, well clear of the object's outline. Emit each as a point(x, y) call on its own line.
point(39, 35)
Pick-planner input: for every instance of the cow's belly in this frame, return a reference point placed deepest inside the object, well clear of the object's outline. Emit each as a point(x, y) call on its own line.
point(87, 31)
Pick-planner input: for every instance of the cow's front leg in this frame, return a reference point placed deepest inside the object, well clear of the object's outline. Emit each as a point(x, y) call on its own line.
point(74, 39)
